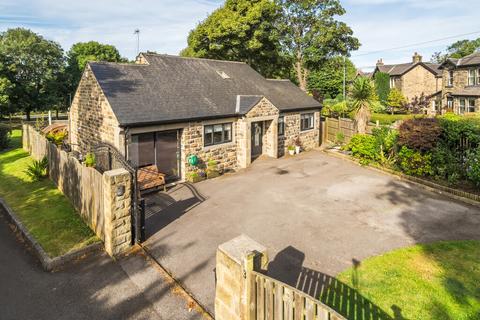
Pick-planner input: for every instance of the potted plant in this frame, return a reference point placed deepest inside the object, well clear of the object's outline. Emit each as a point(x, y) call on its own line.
point(298, 145)
point(291, 150)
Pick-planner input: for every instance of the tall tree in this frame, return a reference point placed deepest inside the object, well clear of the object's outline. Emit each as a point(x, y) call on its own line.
point(83, 52)
point(396, 100)
point(31, 64)
point(382, 86)
point(363, 98)
point(240, 30)
point(328, 80)
point(457, 50)
point(310, 34)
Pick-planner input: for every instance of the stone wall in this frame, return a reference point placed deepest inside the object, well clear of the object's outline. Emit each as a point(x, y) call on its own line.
point(91, 118)
point(192, 144)
point(309, 139)
point(417, 81)
point(262, 109)
point(460, 82)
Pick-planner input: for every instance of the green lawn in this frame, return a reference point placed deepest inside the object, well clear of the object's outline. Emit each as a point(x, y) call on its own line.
point(436, 281)
point(388, 119)
point(43, 209)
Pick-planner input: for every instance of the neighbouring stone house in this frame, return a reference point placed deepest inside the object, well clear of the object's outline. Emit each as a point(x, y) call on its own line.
point(163, 109)
point(414, 78)
point(461, 85)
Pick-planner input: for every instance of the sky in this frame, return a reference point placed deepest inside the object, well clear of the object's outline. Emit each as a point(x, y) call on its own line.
point(380, 25)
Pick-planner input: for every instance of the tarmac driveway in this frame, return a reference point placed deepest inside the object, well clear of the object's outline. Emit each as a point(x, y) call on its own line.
point(313, 212)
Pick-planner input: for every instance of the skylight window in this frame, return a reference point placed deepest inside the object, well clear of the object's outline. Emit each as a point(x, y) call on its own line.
point(223, 74)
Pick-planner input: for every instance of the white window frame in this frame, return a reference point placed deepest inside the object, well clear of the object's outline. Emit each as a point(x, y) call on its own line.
point(450, 103)
point(311, 125)
point(450, 78)
point(472, 105)
point(462, 105)
point(472, 77)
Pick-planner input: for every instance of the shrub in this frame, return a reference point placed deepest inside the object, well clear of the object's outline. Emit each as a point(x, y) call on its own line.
point(396, 100)
point(212, 170)
point(420, 134)
point(364, 147)
point(457, 128)
point(382, 85)
point(473, 166)
point(340, 138)
point(386, 140)
point(414, 163)
point(4, 136)
point(194, 177)
point(90, 160)
point(57, 138)
point(37, 170)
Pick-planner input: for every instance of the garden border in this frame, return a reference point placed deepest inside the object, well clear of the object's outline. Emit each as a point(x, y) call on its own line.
point(48, 264)
point(456, 194)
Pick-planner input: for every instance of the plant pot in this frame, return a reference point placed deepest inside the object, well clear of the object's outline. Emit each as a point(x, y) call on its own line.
point(297, 149)
point(291, 152)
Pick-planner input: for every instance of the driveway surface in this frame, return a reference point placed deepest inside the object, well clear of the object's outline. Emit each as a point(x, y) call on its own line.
point(315, 214)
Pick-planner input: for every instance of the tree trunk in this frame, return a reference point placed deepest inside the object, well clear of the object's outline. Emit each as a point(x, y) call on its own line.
point(27, 112)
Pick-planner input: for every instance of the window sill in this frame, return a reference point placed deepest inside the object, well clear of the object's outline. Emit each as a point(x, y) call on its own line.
point(222, 145)
point(307, 130)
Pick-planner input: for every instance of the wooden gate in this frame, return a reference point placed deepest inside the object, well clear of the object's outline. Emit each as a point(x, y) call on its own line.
point(271, 299)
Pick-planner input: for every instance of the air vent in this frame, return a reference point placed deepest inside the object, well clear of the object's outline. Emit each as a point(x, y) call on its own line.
point(223, 75)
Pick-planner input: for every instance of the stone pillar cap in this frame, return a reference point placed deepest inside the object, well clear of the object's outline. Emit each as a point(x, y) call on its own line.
point(238, 248)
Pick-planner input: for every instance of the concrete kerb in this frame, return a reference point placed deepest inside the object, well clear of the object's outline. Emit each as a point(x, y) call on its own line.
point(48, 263)
point(416, 181)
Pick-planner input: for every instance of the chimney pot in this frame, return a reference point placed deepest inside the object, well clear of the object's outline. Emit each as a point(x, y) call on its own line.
point(417, 58)
point(380, 62)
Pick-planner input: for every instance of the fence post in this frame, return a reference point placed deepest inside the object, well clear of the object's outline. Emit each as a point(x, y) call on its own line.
point(235, 289)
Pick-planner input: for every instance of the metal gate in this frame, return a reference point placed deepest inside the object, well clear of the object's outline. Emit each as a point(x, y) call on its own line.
point(107, 158)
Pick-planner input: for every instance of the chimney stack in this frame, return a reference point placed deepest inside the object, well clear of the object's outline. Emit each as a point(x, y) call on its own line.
point(417, 58)
point(380, 62)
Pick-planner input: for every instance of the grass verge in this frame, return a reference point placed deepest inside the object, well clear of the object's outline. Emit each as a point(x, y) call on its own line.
point(43, 209)
point(435, 281)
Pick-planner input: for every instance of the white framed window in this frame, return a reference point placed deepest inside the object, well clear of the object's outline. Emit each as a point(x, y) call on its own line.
point(471, 105)
point(472, 77)
point(217, 134)
point(281, 126)
point(450, 78)
point(461, 106)
point(450, 103)
point(307, 121)
point(478, 77)
point(392, 82)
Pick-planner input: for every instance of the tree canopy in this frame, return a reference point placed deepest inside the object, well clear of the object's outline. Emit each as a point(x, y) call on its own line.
point(396, 100)
point(328, 80)
point(457, 50)
point(274, 37)
point(240, 30)
point(363, 98)
point(29, 67)
point(83, 52)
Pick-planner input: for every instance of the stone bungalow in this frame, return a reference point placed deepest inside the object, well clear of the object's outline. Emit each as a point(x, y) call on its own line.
point(163, 109)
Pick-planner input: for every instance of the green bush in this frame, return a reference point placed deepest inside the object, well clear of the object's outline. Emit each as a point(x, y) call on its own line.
point(212, 170)
point(90, 160)
point(4, 136)
point(57, 138)
point(446, 164)
point(473, 166)
point(388, 119)
point(414, 163)
point(386, 140)
point(457, 128)
point(340, 138)
point(364, 147)
point(37, 170)
point(194, 177)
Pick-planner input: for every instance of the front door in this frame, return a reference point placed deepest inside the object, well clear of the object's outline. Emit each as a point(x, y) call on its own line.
point(257, 137)
point(167, 151)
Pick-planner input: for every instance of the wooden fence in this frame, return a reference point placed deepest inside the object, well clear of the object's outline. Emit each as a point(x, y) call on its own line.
point(275, 300)
point(82, 185)
point(347, 127)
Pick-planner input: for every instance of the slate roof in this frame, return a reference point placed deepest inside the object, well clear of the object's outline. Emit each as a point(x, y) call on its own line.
point(470, 60)
point(402, 68)
point(172, 89)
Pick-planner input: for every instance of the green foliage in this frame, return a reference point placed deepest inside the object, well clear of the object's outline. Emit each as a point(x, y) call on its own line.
point(457, 50)
point(4, 136)
point(328, 79)
point(37, 170)
point(340, 138)
point(83, 52)
point(194, 177)
point(57, 138)
point(414, 163)
point(90, 160)
point(241, 30)
point(388, 119)
point(363, 96)
point(446, 163)
point(420, 134)
point(396, 100)
point(378, 107)
point(30, 67)
point(457, 128)
point(382, 85)
point(291, 148)
point(364, 147)
point(6, 87)
point(386, 140)
point(473, 166)
point(212, 169)
point(335, 107)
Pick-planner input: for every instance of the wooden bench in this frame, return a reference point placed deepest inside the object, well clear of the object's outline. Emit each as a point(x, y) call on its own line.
point(149, 178)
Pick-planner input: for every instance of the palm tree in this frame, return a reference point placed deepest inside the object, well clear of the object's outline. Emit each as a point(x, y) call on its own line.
point(362, 96)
